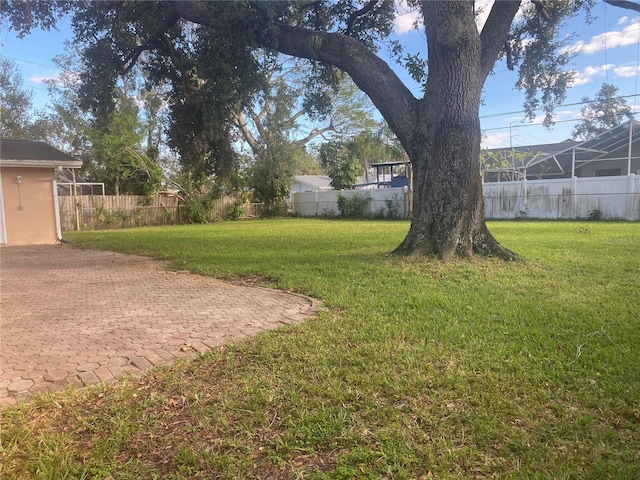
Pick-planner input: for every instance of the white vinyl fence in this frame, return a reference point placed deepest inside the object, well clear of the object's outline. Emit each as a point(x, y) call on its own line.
point(379, 202)
point(568, 198)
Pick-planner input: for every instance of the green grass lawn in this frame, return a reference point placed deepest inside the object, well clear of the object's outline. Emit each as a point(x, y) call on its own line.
point(417, 369)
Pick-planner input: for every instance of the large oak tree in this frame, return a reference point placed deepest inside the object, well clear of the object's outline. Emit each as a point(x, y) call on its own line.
point(440, 131)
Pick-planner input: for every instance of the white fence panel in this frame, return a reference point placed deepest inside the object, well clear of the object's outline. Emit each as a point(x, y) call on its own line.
point(325, 202)
point(614, 197)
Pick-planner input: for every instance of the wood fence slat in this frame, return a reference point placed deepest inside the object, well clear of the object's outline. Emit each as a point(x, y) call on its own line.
point(97, 212)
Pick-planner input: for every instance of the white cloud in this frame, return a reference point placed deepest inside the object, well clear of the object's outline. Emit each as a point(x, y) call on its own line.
point(615, 38)
point(627, 71)
point(59, 79)
point(44, 80)
point(560, 115)
point(588, 74)
point(483, 8)
point(495, 140)
point(406, 18)
point(623, 20)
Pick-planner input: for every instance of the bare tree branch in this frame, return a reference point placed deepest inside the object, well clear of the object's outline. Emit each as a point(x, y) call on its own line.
point(316, 132)
point(360, 13)
point(240, 122)
point(494, 32)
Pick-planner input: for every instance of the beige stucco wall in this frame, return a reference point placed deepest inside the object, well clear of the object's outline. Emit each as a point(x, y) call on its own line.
point(29, 211)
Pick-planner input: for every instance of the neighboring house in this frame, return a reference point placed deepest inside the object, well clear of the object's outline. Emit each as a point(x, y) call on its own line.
point(28, 191)
point(388, 175)
point(613, 153)
point(310, 183)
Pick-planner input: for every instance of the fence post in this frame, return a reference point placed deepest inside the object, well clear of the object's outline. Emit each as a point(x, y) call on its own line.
point(74, 200)
point(525, 206)
point(632, 182)
point(574, 193)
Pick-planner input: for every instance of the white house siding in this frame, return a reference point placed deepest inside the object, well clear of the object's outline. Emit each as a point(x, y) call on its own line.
point(615, 197)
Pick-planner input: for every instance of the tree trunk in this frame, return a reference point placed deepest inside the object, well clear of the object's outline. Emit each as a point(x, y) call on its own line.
point(441, 132)
point(448, 208)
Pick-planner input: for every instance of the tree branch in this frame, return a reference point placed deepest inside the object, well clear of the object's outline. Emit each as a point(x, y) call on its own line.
point(298, 114)
point(494, 33)
point(360, 13)
point(542, 11)
point(172, 18)
point(370, 73)
point(177, 62)
point(624, 4)
point(257, 121)
point(240, 122)
point(316, 132)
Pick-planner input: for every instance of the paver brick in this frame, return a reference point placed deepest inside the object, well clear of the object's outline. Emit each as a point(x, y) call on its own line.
point(129, 316)
point(56, 375)
point(141, 363)
point(88, 378)
point(87, 367)
point(119, 361)
point(20, 385)
point(116, 371)
point(104, 374)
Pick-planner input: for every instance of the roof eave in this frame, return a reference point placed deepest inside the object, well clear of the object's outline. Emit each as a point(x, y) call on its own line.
point(40, 163)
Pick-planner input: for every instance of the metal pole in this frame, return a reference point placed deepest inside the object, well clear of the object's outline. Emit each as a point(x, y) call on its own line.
point(74, 199)
point(573, 162)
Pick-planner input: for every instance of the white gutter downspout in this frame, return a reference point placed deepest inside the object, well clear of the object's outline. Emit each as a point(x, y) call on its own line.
point(3, 227)
point(56, 206)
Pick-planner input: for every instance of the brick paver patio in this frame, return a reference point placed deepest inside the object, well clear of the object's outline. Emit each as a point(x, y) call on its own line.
point(79, 317)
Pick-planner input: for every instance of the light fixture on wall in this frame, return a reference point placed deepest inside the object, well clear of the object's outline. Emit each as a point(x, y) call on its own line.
point(18, 182)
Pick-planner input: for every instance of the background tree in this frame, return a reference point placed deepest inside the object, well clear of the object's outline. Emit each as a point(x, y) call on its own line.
point(376, 146)
point(440, 131)
point(69, 125)
point(118, 159)
point(272, 172)
point(284, 104)
point(15, 103)
point(341, 164)
point(602, 113)
point(282, 120)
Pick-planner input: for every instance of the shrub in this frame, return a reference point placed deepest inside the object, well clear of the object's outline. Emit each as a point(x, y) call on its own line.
point(594, 214)
point(352, 207)
point(392, 205)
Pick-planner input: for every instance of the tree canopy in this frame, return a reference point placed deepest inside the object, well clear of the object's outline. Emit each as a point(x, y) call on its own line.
point(206, 50)
point(15, 103)
point(602, 113)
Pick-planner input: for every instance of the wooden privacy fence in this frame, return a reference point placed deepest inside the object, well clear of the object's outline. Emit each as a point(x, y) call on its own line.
point(97, 212)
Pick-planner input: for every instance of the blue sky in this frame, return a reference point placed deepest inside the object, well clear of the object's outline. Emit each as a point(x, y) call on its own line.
point(609, 50)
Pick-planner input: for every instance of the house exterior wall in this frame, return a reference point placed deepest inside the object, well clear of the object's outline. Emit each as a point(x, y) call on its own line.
point(29, 209)
point(302, 187)
point(622, 162)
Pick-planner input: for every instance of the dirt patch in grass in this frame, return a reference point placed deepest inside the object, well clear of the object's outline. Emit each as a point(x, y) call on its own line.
point(254, 281)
